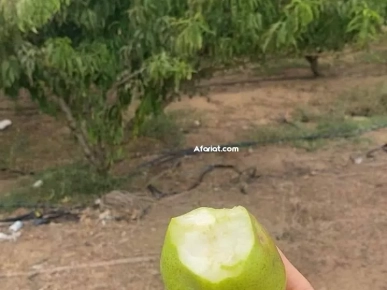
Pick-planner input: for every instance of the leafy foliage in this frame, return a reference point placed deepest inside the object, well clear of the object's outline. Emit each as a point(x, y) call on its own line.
point(312, 25)
point(90, 59)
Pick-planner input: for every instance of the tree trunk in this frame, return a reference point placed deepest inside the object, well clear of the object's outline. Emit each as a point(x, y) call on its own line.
point(97, 159)
point(313, 61)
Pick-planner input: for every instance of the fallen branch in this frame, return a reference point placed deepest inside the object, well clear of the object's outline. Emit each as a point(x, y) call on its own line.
point(249, 173)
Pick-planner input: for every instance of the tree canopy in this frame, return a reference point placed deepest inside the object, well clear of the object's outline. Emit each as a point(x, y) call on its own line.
point(90, 59)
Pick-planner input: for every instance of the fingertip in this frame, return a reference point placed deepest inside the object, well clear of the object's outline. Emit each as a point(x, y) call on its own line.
point(294, 279)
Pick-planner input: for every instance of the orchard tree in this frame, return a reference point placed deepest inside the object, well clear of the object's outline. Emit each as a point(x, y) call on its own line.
point(88, 60)
point(310, 27)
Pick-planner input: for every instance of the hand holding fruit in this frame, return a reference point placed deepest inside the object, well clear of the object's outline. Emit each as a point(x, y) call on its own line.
point(224, 249)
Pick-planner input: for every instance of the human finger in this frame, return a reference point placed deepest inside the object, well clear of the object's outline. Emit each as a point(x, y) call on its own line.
point(294, 279)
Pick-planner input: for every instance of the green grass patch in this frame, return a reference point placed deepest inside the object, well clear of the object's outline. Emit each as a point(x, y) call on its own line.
point(65, 185)
point(169, 128)
point(163, 128)
point(373, 56)
point(364, 102)
point(355, 111)
point(12, 147)
point(312, 136)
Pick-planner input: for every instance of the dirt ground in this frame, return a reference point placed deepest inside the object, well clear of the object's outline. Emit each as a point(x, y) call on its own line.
point(326, 213)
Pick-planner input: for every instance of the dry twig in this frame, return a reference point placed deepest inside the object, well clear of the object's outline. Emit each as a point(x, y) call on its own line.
point(131, 260)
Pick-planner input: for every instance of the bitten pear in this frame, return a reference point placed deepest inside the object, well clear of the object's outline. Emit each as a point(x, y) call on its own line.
point(220, 249)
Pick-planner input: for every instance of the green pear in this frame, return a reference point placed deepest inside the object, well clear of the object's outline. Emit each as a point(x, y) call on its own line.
point(220, 249)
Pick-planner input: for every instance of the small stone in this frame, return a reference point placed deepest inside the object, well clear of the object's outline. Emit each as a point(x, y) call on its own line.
point(357, 160)
point(37, 184)
point(106, 215)
point(4, 124)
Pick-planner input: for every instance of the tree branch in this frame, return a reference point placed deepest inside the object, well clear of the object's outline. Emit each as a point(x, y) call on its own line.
point(123, 80)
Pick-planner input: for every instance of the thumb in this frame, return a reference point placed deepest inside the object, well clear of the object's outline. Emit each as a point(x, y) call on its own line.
point(294, 279)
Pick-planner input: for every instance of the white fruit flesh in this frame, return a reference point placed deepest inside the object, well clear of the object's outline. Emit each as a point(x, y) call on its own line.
point(214, 241)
